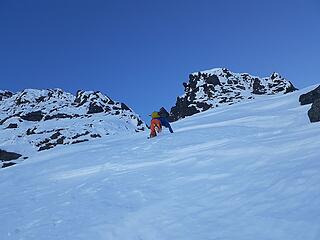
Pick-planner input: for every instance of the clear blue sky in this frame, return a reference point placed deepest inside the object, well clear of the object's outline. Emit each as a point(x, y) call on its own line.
point(140, 52)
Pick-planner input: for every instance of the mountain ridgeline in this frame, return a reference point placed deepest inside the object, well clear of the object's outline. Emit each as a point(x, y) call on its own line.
point(36, 120)
point(219, 86)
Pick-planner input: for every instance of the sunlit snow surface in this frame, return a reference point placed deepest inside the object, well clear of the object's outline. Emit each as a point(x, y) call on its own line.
point(242, 172)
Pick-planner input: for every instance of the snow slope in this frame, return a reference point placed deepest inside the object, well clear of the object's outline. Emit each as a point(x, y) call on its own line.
point(247, 171)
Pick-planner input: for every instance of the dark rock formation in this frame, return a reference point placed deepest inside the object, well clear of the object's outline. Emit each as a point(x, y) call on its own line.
point(95, 135)
point(94, 108)
point(55, 135)
point(59, 115)
point(79, 141)
point(314, 112)
point(182, 109)
point(13, 125)
point(33, 116)
point(31, 131)
point(164, 113)
point(61, 140)
point(291, 88)
point(80, 135)
point(46, 147)
point(5, 94)
point(213, 79)
point(8, 156)
point(314, 98)
point(310, 97)
point(209, 89)
point(7, 164)
point(258, 88)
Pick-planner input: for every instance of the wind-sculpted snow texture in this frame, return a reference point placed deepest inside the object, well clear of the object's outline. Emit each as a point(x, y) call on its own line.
point(243, 172)
point(219, 86)
point(42, 119)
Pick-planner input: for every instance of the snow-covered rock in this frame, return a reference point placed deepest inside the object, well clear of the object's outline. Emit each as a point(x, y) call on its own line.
point(219, 86)
point(44, 119)
point(5, 94)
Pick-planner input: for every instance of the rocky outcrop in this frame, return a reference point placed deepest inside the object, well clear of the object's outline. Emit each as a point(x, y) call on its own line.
point(33, 116)
point(314, 112)
point(5, 95)
point(7, 157)
point(12, 125)
point(48, 118)
point(216, 87)
point(312, 97)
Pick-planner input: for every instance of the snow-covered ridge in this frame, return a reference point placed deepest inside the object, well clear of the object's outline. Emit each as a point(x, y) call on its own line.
point(219, 86)
point(44, 119)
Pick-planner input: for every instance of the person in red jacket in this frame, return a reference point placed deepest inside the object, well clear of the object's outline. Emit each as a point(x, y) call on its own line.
point(155, 126)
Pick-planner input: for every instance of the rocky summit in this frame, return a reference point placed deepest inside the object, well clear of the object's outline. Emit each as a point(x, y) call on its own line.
point(219, 86)
point(37, 120)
